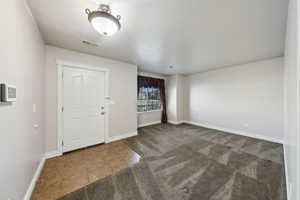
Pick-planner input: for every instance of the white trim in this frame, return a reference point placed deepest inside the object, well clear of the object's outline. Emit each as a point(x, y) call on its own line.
point(59, 105)
point(149, 124)
point(175, 123)
point(287, 182)
point(52, 154)
point(62, 63)
point(121, 137)
point(237, 132)
point(34, 179)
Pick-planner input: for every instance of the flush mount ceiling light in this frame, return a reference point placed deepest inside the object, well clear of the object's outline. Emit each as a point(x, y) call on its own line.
point(103, 21)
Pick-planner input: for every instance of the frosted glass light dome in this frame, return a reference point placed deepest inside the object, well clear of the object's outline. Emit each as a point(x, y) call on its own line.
point(103, 22)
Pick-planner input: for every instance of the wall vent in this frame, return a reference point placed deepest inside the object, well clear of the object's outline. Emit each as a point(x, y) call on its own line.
point(90, 43)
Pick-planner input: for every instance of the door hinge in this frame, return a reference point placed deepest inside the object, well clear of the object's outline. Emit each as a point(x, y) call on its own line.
point(62, 143)
point(62, 109)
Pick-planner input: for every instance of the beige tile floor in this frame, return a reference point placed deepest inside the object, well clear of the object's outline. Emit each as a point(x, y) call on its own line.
point(64, 174)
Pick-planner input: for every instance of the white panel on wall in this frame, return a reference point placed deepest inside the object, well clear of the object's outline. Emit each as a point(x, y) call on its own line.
point(175, 98)
point(171, 92)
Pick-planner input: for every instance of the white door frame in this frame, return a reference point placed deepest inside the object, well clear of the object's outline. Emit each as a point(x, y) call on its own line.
point(60, 65)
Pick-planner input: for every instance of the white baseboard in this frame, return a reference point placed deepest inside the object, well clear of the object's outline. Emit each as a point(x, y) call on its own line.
point(34, 179)
point(175, 123)
point(149, 124)
point(288, 186)
point(52, 154)
point(120, 137)
point(237, 132)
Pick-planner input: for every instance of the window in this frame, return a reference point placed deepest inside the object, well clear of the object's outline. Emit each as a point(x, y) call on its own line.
point(148, 99)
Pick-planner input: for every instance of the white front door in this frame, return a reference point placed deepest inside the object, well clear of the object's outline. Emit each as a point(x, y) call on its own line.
point(83, 101)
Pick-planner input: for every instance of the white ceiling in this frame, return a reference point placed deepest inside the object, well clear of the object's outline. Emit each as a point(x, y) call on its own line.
point(191, 35)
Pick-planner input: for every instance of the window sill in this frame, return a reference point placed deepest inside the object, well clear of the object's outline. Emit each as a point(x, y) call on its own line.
point(149, 111)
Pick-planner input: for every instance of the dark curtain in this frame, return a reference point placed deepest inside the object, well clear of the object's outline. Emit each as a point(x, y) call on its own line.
point(149, 82)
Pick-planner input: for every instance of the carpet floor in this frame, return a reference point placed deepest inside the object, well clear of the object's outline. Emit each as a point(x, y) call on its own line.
point(187, 162)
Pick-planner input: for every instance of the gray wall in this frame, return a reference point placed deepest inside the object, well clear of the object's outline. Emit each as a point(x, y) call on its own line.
point(122, 84)
point(246, 98)
point(148, 118)
point(21, 64)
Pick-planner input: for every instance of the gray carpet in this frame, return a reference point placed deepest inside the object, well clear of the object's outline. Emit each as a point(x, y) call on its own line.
point(186, 162)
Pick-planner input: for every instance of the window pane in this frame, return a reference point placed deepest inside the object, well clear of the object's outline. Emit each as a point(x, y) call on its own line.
point(148, 99)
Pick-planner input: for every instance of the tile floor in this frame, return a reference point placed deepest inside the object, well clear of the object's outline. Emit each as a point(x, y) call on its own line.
point(182, 162)
point(67, 173)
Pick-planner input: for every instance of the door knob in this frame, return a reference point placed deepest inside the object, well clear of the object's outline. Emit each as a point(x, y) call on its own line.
point(102, 113)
